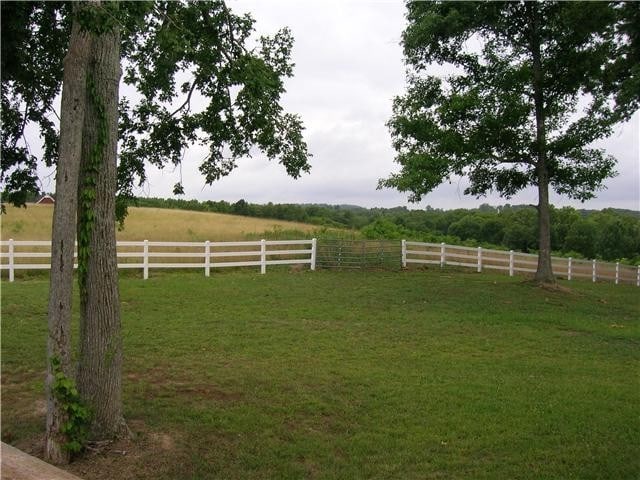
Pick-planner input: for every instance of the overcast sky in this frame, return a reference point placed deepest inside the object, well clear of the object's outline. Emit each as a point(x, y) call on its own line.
point(349, 66)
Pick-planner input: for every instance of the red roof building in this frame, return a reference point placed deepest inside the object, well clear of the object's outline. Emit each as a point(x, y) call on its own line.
point(46, 200)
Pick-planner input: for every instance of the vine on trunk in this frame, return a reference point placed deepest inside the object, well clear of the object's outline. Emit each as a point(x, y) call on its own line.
point(76, 427)
point(87, 194)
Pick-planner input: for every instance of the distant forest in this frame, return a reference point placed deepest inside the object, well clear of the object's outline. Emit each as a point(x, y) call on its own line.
point(610, 234)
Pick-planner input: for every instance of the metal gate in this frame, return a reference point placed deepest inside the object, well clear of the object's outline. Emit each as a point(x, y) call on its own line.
point(359, 254)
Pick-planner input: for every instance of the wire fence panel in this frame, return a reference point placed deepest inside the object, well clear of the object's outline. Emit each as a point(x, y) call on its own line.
point(359, 254)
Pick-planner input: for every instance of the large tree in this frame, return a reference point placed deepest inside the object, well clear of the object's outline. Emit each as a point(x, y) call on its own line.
point(513, 94)
point(197, 76)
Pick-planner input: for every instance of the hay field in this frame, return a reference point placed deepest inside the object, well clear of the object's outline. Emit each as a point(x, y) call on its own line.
point(154, 224)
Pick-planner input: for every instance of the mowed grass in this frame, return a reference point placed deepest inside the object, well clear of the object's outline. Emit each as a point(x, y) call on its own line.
point(396, 375)
point(153, 224)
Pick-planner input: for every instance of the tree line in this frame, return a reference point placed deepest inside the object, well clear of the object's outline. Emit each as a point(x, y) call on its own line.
point(609, 234)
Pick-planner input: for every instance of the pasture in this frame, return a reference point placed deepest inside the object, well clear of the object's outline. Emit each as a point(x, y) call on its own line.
point(412, 375)
point(153, 224)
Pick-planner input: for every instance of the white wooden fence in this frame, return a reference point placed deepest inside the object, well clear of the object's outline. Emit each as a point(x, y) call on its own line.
point(513, 262)
point(34, 255)
point(146, 255)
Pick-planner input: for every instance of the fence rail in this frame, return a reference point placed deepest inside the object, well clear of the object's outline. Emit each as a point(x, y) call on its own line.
point(514, 262)
point(146, 255)
point(341, 254)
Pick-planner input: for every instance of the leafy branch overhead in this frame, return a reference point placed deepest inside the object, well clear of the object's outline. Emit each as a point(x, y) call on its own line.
point(34, 39)
point(200, 83)
point(199, 77)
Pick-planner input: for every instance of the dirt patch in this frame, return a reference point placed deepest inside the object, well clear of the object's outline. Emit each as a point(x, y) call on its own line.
point(32, 445)
point(156, 374)
point(147, 455)
point(13, 378)
point(311, 468)
point(40, 408)
point(163, 440)
point(572, 333)
point(550, 287)
point(160, 381)
point(204, 391)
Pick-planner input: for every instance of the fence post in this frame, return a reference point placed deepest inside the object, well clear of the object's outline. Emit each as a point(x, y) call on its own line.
point(511, 263)
point(404, 254)
point(207, 258)
point(479, 259)
point(617, 272)
point(638, 277)
point(363, 261)
point(442, 255)
point(593, 271)
point(314, 249)
point(569, 269)
point(146, 260)
point(11, 269)
point(263, 256)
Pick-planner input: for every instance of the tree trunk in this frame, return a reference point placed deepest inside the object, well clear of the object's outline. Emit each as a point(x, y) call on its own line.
point(544, 273)
point(100, 356)
point(72, 113)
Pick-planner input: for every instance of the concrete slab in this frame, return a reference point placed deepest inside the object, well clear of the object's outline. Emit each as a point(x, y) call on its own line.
point(17, 465)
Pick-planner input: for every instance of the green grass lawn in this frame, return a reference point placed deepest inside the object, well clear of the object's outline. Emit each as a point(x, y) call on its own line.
point(401, 375)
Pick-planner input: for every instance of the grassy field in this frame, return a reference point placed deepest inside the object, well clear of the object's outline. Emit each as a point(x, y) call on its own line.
point(407, 375)
point(154, 224)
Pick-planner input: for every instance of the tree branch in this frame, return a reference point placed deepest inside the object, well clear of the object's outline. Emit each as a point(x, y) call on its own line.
point(24, 124)
point(230, 27)
point(187, 102)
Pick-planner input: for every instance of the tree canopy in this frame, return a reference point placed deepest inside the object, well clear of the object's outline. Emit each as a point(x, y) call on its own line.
point(196, 75)
point(34, 40)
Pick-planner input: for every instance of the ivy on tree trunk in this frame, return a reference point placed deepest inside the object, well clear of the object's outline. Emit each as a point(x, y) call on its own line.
point(100, 356)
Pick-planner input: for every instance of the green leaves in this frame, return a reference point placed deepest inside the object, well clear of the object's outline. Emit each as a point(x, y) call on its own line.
point(75, 428)
point(98, 18)
point(87, 190)
point(201, 50)
point(479, 118)
point(34, 39)
point(178, 189)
